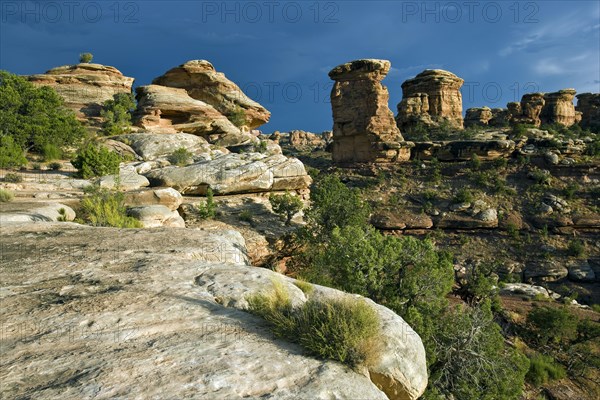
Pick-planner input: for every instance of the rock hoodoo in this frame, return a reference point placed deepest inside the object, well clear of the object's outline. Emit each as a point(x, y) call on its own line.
point(431, 98)
point(202, 82)
point(85, 87)
point(364, 129)
point(528, 110)
point(589, 106)
point(559, 108)
point(478, 117)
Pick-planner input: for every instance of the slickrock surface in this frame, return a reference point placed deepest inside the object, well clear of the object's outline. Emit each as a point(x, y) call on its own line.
point(104, 313)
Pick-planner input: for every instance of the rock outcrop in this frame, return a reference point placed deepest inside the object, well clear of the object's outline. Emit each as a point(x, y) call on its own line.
point(499, 118)
point(235, 173)
point(528, 110)
point(163, 109)
point(150, 146)
point(363, 125)
point(463, 150)
point(431, 98)
point(85, 87)
point(130, 313)
point(559, 108)
point(589, 106)
point(202, 82)
point(478, 117)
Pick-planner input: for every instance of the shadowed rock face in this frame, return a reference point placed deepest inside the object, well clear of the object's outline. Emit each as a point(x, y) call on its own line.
point(364, 129)
point(431, 98)
point(202, 82)
point(559, 108)
point(478, 117)
point(589, 106)
point(84, 87)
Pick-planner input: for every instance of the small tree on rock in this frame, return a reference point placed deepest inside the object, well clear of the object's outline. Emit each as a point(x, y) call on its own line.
point(286, 205)
point(86, 57)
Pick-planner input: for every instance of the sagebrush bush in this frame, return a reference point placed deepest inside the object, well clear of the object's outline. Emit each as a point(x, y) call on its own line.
point(51, 152)
point(464, 195)
point(576, 248)
point(102, 207)
point(13, 177)
point(543, 369)
point(6, 196)
point(180, 157)
point(340, 329)
point(95, 160)
point(55, 166)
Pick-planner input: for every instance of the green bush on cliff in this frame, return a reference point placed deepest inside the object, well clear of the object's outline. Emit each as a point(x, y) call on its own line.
point(11, 154)
point(93, 160)
point(35, 116)
point(117, 114)
point(102, 207)
point(339, 329)
point(86, 57)
point(286, 205)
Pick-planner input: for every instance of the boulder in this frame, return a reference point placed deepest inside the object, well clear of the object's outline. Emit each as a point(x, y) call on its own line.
point(400, 371)
point(581, 271)
point(234, 173)
point(151, 146)
point(363, 125)
point(588, 104)
point(544, 271)
point(202, 82)
point(48, 212)
point(85, 87)
point(155, 216)
point(167, 197)
point(122, 149)
point(432, 97)
point(128, 179)
point(162, 109)
point(524, 289)
point(400, 220)
point(140, 313)
point(559, 108)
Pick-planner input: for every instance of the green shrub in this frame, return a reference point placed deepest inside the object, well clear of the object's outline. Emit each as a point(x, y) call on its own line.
point(11, 155)
point(102, 207)
point(180, 157)
point(543, 369)
point(35, 116)
point(570, 191)
point(51, 152)
point(475, 162)
point(286, 205)
point(13, 177)
point(550, 324)
point(86, 58)
point(237, 117)
point(36, 166)
point(306, 287)
point(464, 195)
point(246, 216)
point(6, 196)
point(55, 166)
point(419, 133)
point(261, 147)
point(117, 114)
point(576, 248)
point(208, 208)
point(346, 330)
point(95, 160)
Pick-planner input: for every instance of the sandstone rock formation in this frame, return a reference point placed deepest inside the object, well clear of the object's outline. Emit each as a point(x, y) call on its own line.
point(499, 117)
point(150, 146)
point(235, 173)
point(559, 108)
point(589, 106)
point(528, 110)
point(463, 150)
point(85, 87)
point(149, 314)
point(431, 98)
point(163, 109)
point(478, 116)
point(363, 125)
point(202, 82)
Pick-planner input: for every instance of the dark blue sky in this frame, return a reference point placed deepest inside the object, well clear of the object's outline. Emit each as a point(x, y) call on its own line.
point(279, 52)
